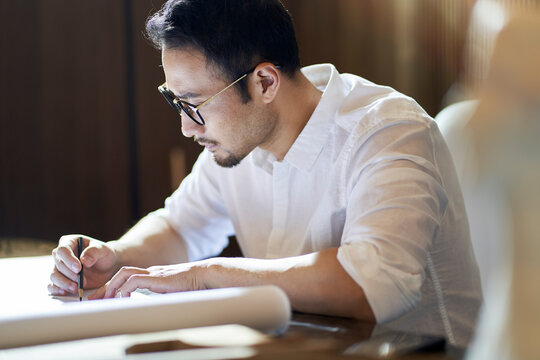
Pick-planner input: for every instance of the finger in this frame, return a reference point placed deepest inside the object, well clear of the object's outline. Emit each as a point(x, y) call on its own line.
point(64, 270)
point(98, 294)
point(70, 241)
point(62, 282)
point(120, 278)
point(66, 252)
point(141, 281)
point(90, 255)
point(65, 256)
point(55, 290)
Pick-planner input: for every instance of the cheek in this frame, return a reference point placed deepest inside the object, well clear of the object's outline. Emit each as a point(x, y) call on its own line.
point(222, 111)
point(231, 118)
point(223, 127)
point(231, 122)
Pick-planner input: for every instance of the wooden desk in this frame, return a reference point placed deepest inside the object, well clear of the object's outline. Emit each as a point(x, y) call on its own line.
point(308, 337)
point(311, 337)
point(322, 337)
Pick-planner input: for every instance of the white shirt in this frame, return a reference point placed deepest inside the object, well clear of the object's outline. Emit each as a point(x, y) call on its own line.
point(370, 174)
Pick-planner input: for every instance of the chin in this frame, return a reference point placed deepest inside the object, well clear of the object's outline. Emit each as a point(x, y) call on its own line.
point(229, 161)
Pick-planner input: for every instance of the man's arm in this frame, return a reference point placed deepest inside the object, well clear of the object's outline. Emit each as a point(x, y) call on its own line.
point(314, 283)
point(151, 241)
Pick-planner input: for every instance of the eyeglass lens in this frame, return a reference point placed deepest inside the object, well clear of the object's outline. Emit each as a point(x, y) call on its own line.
point(191, 112)
point(179, 107)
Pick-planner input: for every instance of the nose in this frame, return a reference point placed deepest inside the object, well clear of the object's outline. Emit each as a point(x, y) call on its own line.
point(190, 128)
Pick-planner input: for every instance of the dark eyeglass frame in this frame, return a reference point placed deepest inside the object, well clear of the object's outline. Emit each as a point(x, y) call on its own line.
point(192, 110)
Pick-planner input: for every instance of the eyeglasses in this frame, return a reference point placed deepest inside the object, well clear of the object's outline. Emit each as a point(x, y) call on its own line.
point(190, 109)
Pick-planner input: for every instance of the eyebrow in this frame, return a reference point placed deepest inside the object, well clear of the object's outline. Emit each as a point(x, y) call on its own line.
point(188, 95)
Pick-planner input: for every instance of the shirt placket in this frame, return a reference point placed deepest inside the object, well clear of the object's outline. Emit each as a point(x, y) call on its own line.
point(280, 207)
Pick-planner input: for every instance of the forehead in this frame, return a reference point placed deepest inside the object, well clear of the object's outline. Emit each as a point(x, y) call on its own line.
point(186, 70)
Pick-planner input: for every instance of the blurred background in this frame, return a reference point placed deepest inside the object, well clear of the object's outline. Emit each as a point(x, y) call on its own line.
point(88, 145)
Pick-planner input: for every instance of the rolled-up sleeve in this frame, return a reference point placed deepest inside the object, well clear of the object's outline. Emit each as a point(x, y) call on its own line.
point(395, 203)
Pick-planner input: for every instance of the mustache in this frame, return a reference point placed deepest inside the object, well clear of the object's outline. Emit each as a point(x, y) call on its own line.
point(202, 140)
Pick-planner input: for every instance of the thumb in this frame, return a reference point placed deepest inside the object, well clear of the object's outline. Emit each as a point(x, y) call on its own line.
point(89, 256)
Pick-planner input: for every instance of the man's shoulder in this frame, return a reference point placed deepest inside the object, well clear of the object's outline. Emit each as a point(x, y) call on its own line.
point(367, 105)
point(355, 98)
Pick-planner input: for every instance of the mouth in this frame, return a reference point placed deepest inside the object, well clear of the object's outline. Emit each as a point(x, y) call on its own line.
point(208, 146)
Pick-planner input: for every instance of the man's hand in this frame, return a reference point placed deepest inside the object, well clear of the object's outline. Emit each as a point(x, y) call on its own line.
point(98, 258)
point(151, 241)
point(160, 279)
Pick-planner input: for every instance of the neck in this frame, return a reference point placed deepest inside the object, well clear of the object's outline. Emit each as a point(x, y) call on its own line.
point(295, 103)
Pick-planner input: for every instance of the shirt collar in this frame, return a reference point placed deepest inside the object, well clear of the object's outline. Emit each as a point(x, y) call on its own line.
point(309, 144)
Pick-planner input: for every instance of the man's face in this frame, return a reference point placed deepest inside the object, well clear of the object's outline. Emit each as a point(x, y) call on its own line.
point(232, 129)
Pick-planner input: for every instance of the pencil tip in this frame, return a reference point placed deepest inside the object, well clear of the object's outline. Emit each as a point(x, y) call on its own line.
point(80, 298)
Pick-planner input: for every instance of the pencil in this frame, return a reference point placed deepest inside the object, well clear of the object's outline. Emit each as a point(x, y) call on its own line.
point(80, 248)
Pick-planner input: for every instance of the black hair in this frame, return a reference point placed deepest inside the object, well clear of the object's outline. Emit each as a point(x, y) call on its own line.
point(233, 35)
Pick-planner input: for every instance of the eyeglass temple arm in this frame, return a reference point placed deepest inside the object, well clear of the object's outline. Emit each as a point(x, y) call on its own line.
point(210, 98)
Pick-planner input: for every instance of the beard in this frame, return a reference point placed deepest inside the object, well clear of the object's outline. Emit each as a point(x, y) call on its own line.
point(228, 161)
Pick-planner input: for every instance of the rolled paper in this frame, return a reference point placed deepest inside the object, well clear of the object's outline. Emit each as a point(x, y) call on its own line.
point(264, 308)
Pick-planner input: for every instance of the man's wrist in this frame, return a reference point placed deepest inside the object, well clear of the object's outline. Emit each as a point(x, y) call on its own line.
point(208, 273)
point(118, 251)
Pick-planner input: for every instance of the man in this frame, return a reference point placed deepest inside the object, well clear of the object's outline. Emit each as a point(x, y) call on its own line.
point(339, 191)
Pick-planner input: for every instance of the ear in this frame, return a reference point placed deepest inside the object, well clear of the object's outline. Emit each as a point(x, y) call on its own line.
point(266, 80)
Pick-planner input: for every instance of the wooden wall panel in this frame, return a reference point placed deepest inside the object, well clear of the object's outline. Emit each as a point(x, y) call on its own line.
point(84, 115)
point(85, 137)
point(440, 30)
point(20, 154)
point(67, 153)
point(414, 46)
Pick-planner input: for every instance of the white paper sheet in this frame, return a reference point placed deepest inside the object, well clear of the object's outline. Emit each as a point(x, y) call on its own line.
point(37, 318)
